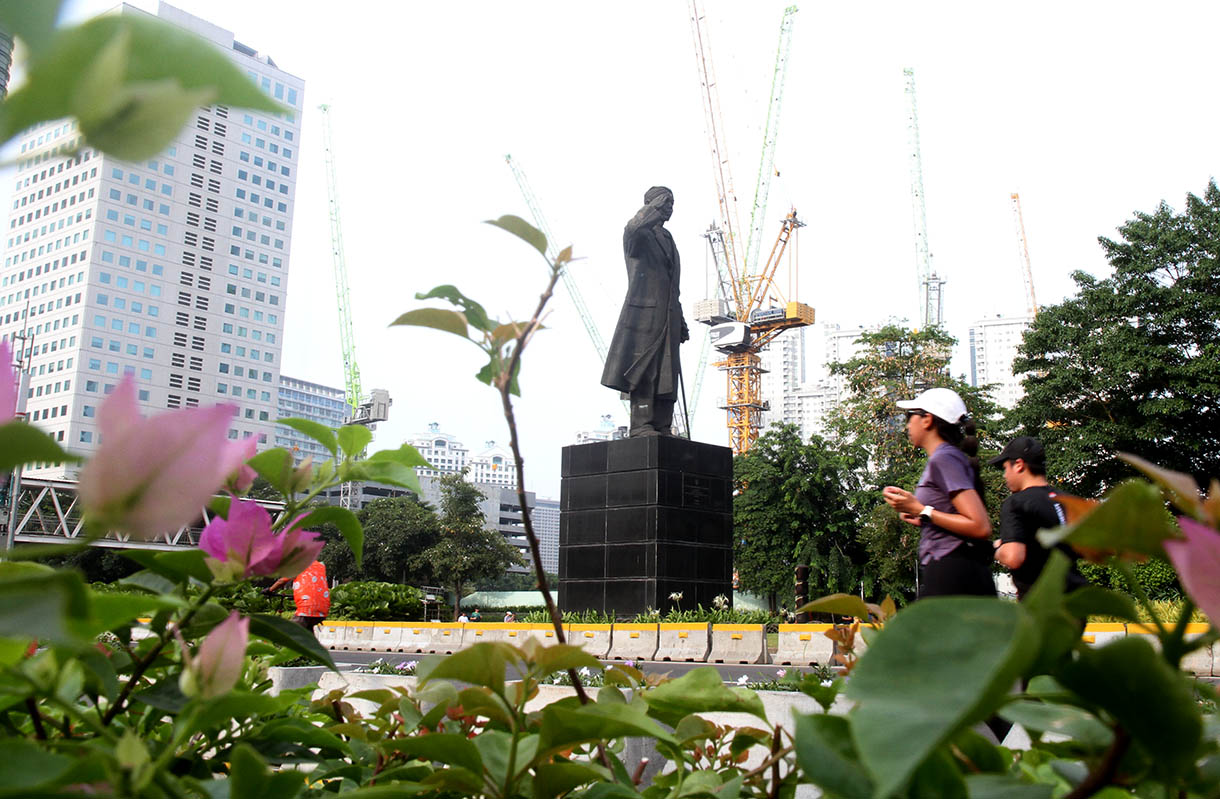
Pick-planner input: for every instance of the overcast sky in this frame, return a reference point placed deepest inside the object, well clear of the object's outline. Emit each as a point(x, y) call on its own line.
point(1090, 110)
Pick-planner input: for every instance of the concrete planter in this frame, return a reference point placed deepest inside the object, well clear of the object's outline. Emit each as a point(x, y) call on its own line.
point(286, 678)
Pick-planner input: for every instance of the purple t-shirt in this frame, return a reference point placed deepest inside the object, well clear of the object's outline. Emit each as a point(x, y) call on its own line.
point(948, 472)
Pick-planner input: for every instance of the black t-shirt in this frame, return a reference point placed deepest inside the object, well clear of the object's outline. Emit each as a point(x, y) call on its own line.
point(1021, 517)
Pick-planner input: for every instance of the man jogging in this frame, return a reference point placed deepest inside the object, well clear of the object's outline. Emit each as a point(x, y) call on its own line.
point(1028, 510)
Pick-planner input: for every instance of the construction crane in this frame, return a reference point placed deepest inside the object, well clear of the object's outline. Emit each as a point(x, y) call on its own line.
point(1031, 302)
point(931, 286)
point(375, 408)
point(741, 325)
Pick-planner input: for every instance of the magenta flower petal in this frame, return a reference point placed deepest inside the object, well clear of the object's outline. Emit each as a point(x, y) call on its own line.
point(8, 384)
point(219, 660)
point(238, 545)
point(1197, 560)
point(299, 549)
point(242, 477)
point(152, 476)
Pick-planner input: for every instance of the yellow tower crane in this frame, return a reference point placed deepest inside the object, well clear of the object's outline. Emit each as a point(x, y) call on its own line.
point(750, 310)
point(1031, 302)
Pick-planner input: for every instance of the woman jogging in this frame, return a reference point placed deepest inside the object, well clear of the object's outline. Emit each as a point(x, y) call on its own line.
point(954, 551)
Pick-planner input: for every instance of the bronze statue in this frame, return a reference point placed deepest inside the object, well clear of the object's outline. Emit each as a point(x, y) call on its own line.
point(643, 359)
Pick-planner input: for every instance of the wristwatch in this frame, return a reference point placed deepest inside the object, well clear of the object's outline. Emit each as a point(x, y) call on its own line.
point(926, 512)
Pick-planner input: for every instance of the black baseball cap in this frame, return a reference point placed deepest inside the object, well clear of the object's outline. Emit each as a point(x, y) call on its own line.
point(1027, 449)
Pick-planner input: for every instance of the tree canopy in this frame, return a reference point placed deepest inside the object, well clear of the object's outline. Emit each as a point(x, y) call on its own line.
point(794, 506)
point(1132, 362)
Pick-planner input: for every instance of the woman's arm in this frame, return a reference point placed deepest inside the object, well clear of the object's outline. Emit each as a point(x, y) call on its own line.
point(970, 521)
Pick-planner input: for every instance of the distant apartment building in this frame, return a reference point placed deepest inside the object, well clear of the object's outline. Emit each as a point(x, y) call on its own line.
point(493, 466)
point(545, 519)
point(993, 347)
point(606, 431)
point(444, 452)
point(172, 270)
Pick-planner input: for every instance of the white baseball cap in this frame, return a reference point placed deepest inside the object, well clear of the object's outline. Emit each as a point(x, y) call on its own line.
point(942, 403)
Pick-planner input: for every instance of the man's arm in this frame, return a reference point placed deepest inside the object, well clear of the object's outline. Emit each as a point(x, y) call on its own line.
point(1010, 555)
point(1011, 550)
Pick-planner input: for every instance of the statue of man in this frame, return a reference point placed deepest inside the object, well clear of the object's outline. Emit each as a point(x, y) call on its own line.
point(643, 358)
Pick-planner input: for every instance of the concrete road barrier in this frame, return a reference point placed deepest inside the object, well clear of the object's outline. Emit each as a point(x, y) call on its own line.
point(446, 638)
point(738, 643)
point(1201, 662)
point(359, 637)
point(329, 633)
point(683, 642)
point(803, 645)
point(386, 636)
point(544, 634)
point(416, 637)
point(633, 642)
point(481, 632)
point(1102, 633)
point(593, 638)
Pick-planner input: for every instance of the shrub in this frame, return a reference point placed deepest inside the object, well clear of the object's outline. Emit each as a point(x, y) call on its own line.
point(370, 601)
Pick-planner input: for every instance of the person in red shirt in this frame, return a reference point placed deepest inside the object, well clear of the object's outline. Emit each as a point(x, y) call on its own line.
point(310, 594)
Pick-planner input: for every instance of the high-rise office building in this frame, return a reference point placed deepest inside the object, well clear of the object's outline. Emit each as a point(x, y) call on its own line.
point(993, 346)
point(172, 270)
point(784, 364)
point(302, 399)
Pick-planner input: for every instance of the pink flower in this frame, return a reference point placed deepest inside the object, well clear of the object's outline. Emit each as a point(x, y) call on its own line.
point(245, 546)
point(242, 545)
point(8, 384)
point(218, 663)
point(239, 481)
point(1197, 560)
point(150, 476)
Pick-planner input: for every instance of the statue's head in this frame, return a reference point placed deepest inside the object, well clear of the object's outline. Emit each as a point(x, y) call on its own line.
point(662, 198)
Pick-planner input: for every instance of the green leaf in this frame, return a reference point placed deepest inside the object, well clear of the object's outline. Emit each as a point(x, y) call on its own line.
point(41, 603)
point(149, 581)
point(838, 604)
point(249, 776)
point(1131, 519)
point(33, 23)
point(1077, 724)
point(565, 724)
point(828, 759)
point(938, 778)
point(556, 779)
point(406, 455)
point(179, 567)
point(436, 318)
point(24, 765)
point(163, 695)
point(102, 672)
point(156, 62)
point(112, 610)
point(385, 471)
point(474, 313)
point(297, 638)
point(917, 687)
point(1057, 631)
point(522, 230)
point(22, 443)
point(448, 748)
point(1181, 489)
point(275, 466)
point(482, 664)
point(495, 746)
point(347, 523)
point(562, 657)
point(701, 690)
point(223, 710)
point(315, 430)
point(353, 438)
point(977, 754)
point(1093, 600)
point(995, 786)
point(1153, 701)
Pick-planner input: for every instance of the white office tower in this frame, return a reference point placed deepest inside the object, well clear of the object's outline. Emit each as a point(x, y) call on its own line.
point(172, 270)
point(443, 452)
point(302, 399)
point(493, 466)
point(783, 363)
point(993, 346)
point(545, 520)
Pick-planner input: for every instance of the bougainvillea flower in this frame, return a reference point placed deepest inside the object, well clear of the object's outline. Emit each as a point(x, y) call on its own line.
point(242, 545)
point(8, 384)
point(217, 665)
point(298, 549)
point(240, 480)
point(1197, 560)
point(151, 476)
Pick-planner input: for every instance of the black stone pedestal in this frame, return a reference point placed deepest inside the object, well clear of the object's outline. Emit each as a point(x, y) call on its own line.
point(642, 518)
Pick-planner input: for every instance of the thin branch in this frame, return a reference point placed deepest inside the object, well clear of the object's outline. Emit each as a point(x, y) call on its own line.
point(504, 384)
point(39, 731)
point(1106, 769)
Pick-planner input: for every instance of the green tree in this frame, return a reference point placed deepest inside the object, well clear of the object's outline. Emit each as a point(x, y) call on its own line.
point(397, 531)
point(794, 505)
point(465, 550)
point(898, 363)
point(1132, 362)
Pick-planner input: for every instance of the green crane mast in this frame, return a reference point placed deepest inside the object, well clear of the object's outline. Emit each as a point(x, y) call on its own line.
point(351, 371)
